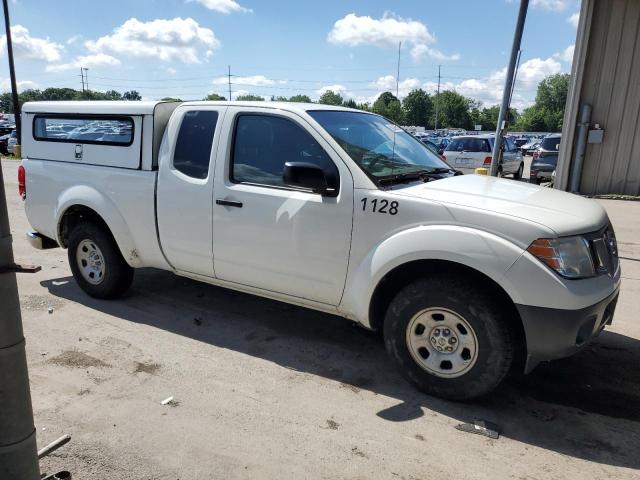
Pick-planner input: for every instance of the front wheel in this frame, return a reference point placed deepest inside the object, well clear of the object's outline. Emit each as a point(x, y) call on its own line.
point(448, 337)
point(96, 262)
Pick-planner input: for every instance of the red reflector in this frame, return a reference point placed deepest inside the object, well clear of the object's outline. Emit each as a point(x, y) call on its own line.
point(22, 184)
point(487, 160)
point(444, 157)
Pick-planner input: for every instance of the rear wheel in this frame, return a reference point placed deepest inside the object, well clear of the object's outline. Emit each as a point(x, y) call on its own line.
point(96, 262)
point(448, 337)
point(518, 174)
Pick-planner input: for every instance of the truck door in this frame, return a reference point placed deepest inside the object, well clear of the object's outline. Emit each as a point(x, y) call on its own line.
point(272, 236)
point(185, 188)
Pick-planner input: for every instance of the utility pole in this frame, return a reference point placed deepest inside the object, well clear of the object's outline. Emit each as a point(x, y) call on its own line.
point(508, 86)
point(398, 76)
point(437, 99)
point(82, 78)
point(86, 77)
point(229, 82)
point(18, 451)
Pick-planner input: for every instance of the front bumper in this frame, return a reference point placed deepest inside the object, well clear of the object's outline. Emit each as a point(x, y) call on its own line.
point(553, 333)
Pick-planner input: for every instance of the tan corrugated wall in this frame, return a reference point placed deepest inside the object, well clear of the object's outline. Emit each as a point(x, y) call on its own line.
point(611, 84)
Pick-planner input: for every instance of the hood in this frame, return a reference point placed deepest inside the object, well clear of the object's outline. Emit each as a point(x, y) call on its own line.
point(563, 213)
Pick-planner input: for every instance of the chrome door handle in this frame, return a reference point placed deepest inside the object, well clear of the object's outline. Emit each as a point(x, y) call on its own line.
point(228, 203)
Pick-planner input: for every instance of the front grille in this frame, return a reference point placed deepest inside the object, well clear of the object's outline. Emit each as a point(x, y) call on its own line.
point(604, 250)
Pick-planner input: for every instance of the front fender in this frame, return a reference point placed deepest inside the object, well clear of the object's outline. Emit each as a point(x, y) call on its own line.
point(86, 196)
point(482, 251)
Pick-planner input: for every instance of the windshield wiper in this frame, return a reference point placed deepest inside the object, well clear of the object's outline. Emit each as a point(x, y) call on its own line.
point(423, 175)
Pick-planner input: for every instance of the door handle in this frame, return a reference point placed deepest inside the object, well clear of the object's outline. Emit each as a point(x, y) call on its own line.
point(228, 203)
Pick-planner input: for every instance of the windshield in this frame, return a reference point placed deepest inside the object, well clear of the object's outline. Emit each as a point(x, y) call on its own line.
point(379, 147)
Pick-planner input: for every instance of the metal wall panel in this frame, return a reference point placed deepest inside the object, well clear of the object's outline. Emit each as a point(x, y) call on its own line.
point(611, 84)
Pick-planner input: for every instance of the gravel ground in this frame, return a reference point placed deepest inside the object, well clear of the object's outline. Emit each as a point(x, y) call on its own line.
point(266, 390)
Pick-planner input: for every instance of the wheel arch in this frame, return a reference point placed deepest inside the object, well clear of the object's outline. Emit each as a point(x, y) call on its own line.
point(83, 203)
point(391, 283)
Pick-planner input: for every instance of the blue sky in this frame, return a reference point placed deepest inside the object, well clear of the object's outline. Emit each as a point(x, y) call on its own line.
point(183, 47)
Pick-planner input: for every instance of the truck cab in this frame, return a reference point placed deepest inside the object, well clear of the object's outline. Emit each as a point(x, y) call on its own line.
point(335, 209)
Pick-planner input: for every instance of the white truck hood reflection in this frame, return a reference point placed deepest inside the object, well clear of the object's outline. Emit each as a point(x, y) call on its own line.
point(562, 212)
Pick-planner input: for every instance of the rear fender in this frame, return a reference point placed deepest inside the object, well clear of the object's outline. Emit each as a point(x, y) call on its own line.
point(86, 196)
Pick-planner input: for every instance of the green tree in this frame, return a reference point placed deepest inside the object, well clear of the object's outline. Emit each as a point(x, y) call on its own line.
point(279, 98)
point(112, 95)
point(131, 95)
point(418, 108)
point(546, 114)
point(331, 98)
point(351, 103)
point(389, 106)
point(214, 97)
point(300, 98)
point(250, 98)
point(454, 110)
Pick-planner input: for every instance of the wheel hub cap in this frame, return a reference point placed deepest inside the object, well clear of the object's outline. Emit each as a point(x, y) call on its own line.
point(442, 342)
point(90, 262)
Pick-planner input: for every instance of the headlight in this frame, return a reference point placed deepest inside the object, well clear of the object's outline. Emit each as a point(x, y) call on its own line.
point(569, 256)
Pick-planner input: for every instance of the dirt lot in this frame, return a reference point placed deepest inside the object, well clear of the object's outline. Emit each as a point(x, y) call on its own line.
point(266, 390)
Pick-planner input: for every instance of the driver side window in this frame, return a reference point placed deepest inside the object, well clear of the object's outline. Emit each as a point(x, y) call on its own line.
point(264, 143)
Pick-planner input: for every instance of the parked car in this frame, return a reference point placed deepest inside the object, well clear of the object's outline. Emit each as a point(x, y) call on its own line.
point(12, 141)
point(469, 152)
point(468, 277)
point(520, 141)
point(529, 147)
point(4, 140)
point(545, 159)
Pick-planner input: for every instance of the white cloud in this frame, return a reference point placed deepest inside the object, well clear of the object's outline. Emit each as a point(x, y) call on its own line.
point(74, 39)
point(420, 51)
point(489, 89)
point(336, 88)
point(87, 61)
point(566, 55)
point(555, 5)
point(574, 19)
point(179, 39)
point(171, 71)
point(25, 45)
point(353, 30)
point(5, 84)
point(254, 81)
point(223, 6)
point(388, 83)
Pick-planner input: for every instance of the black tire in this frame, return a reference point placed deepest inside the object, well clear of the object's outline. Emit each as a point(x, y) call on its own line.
point(118, 275)
point(489, 321)
point(518, 174)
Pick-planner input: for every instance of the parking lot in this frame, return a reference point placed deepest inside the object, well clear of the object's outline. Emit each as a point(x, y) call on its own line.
point(263, 389)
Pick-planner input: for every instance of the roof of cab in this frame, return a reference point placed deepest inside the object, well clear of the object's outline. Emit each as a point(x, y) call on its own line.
point(147, 107)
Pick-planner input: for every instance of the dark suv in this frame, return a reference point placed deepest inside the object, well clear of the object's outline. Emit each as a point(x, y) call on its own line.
point(545, 159)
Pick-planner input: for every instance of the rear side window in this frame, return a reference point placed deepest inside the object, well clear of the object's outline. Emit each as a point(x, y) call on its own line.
point(195, 139)
point(264, 143)
point(469, 145)
point(107, 130)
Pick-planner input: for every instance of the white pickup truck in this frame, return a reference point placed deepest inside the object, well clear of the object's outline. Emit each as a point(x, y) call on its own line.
point(339, 210)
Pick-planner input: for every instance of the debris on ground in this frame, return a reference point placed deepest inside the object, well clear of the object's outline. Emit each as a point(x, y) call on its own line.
point(50, 309)
point(480, 427)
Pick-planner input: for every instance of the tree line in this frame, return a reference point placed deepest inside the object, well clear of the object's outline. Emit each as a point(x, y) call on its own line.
point(418, 108)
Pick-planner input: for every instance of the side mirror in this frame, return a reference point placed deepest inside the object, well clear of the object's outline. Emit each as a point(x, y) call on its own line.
point(309, 175)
